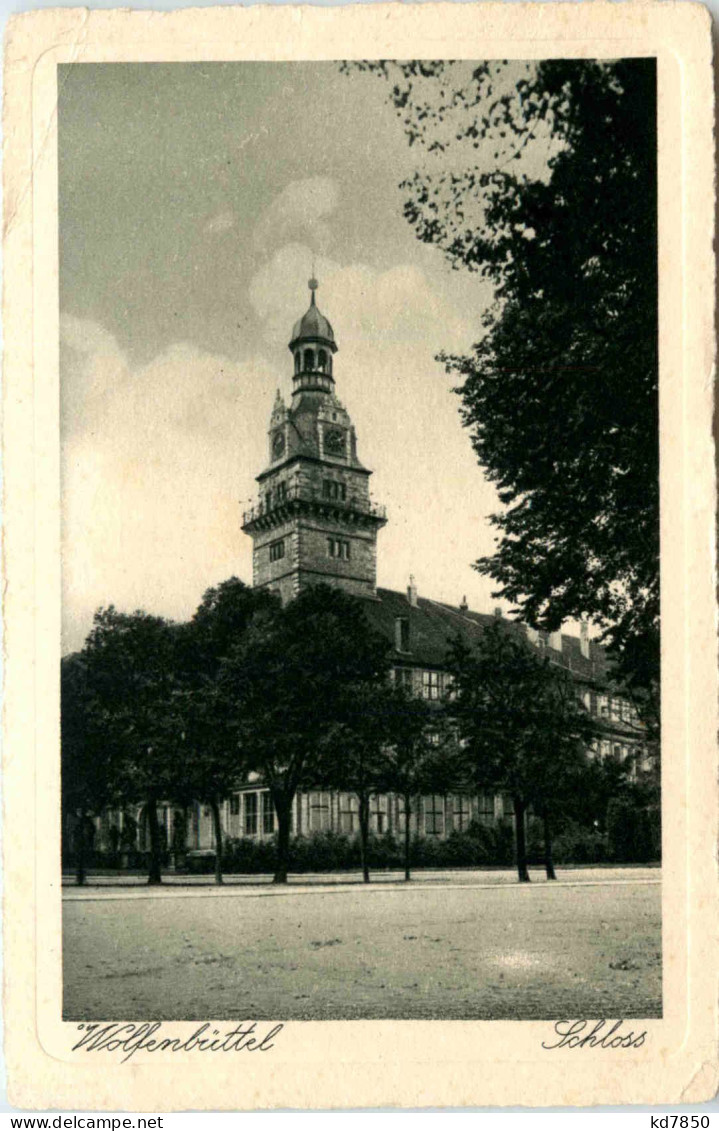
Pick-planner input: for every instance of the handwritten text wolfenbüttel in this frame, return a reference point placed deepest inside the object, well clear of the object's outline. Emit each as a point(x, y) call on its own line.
point(129, 1038)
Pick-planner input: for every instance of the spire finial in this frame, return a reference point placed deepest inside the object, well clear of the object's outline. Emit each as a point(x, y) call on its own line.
point(313, 284)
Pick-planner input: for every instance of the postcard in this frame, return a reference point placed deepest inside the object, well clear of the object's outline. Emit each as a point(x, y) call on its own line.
point(360, 624)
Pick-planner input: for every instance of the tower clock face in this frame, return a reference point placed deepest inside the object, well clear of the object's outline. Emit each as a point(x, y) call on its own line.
point(335, 442)
point(278, 444)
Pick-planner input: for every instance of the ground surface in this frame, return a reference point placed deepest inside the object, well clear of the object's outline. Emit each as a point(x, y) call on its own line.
point(448, 946)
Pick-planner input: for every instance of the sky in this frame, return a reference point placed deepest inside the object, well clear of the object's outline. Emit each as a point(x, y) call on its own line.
point(194, 199)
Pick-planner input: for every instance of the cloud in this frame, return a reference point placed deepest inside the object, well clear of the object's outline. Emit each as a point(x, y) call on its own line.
point(372, 309)
point(160, 459)
point(299, 211)
point(97, 367)
point(156, 468)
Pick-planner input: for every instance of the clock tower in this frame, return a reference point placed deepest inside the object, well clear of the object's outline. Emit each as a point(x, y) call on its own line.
point(314, 521)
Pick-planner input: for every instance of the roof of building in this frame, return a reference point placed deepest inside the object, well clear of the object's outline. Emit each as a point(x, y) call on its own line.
point(433, 625)
point(313, 325)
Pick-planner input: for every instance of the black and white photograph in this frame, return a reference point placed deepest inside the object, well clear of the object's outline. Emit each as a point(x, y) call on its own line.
point(360, 540)
point(361, 694)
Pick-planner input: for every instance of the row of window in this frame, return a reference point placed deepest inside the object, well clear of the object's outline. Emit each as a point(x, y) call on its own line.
point(436, 812)
point(610, 707)
point(336, 548)
point(308, 361)
point(331, 489)
point(605, 748)
point(435, 685)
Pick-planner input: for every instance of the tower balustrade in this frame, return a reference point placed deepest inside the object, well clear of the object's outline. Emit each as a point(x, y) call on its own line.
point(277, 505)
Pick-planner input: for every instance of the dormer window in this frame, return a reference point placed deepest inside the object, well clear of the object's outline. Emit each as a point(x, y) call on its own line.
point(401, 634)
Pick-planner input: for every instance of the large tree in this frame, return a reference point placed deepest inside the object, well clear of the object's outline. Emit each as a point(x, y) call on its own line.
point(285, 685)
point(354, 751)
point(87, 759)
point(522, 726)
point(543, 178)
point(422, 756)
point(214, 762)
point(132, 673)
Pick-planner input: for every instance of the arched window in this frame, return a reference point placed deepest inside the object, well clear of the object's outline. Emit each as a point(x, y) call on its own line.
point(298, 361)
point(309, 360)
point(322, 361)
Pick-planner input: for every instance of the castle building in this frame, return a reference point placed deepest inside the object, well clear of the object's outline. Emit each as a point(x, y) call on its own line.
point(315, 522)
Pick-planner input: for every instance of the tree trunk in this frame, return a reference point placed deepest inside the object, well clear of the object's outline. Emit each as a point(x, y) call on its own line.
point(80, 872)
point(283, 809)
point(548, 861)
point(407, 834)
point(217, 824)
point(364, 833)
point(521, 840)
point(155, 870)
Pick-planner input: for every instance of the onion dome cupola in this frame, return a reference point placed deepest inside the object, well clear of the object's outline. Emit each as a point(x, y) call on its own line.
point(312, 345)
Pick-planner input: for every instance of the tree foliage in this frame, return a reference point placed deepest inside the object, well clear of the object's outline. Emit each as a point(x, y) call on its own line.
point(285, 684)
point(214, 763)
point(422, 756)
point(88, 764)
point(131, 664)
point(524, 730)
point(544, 180)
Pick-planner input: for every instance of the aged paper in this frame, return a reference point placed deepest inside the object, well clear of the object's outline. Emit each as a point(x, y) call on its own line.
point(323, 1064)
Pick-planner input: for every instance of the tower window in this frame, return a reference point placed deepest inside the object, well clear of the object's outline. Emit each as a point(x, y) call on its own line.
point(338, 548)
point(322, 360)
point(298, 361)
point(309, 359)
point(277, 550)
point(333, 490)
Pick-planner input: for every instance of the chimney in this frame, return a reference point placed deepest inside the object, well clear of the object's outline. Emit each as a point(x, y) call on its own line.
point(584, 639)
point(555, 640)
point(412, 591)
point(497, 611)
point(463, 606)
